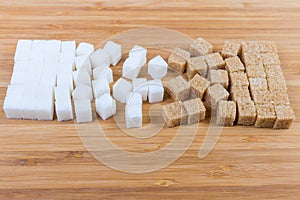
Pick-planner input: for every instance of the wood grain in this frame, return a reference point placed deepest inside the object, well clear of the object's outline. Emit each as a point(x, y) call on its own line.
point(46, 160)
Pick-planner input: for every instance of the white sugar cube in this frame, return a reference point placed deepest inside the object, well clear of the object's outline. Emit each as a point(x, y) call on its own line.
point(84, 49)
point(157, 67)
point(44, 108)
point(61, 93)
point(115, 52)
point(120, 90)
point(68, 47)
point(82, 77)
point(100, 87)
point(64, 67)
point(67, 59)
point(49, 75)
point(27, 104)
point(105, 106)
point(133, 116)
point(131, 68)
point(83, 62)
point(140, 53)
point(140, 85)
point(23, 50)
point(11, 107)
point(83, 111)
point(155, 91)
point(99, 58)
point(83, 92)
point(38, 50)
point(133, 98)
point(51, 57)
point(63, 109)
point(105, 72)
point(53, 46)
point(66, 80)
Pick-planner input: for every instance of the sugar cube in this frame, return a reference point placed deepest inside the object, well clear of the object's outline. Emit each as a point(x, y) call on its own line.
point(157, 67)
point(68, 46)
point(178, 59)
point(273, 70)
point(99, 58)
point(267, 47)
point(219, 76)
point(240, 93)
point(83, 110)
point(61, 93)
point(230, 49)
point(155, 91)
point(285, 117)
point(23, 50)
point(174, 114)
point(120, 90)
point(258, 84)
point(251, 59)
point(234, 64)
point(81, 77)
point(133, 115)
point(82, 92)
point(84, 49)
point(246, 112)
point(261, 96)
point(115, 52)
point(178, 88)
point(27, 104)
point(214, 94)
point(276, 83)
point(131, 68)
point(266, 116)
point(65, 80)
point(140, 53)
point(195, 110)
point(140, 85)
point(63, 109)
point(239, 78)
point(103, 72)
point(279, 97)
point(67, 59)
point(12, 103)
point(215, 61)
point(200, 47)
point(105, 106)
point(100, 87)
point(226, 113)
point(133, 98)
point(255, 71)
point(198, 86)
point(270, 58)
point(44, 108)
point(196, 65)
point(83, 62)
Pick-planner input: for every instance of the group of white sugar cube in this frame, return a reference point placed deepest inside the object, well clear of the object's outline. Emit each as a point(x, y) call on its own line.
point(51, 73)
point(140, 89)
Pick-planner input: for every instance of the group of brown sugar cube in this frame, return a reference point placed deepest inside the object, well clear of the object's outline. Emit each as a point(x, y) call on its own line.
point(243, 84)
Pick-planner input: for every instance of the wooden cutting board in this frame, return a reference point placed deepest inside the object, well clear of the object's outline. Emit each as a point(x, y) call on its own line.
point(47, 160)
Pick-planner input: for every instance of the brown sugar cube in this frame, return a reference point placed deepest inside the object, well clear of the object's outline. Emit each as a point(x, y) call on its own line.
point(226, 113)
point(258, 84)
point(178, 88)
point(219, 76)
point(234, 64)
point(267, 47)
point(246, 113)
point(276, 83)
point(199, 86)
point(174, 114)
point(266, 116)
point(279, 97)
point(255, 71)
point(251, 47)
point(178, 59)
point(196, 65)
point(195, 110)
point(273, 70)
point(238, 78)
point(214, 94)
point(200, 47)
point(215, 61)
point(270, 58)
point(285, 117)
point(251, 59)
point(261, 96)
point(240, 93)
point(230, 49)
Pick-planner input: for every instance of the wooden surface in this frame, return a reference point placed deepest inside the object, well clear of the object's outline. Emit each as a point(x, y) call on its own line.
point(46, 160)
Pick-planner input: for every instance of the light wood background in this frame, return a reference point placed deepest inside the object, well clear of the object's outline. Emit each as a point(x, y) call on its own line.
point(46, 160)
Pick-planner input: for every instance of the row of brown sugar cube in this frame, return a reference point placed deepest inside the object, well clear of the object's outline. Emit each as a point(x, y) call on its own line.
point(211, 76)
